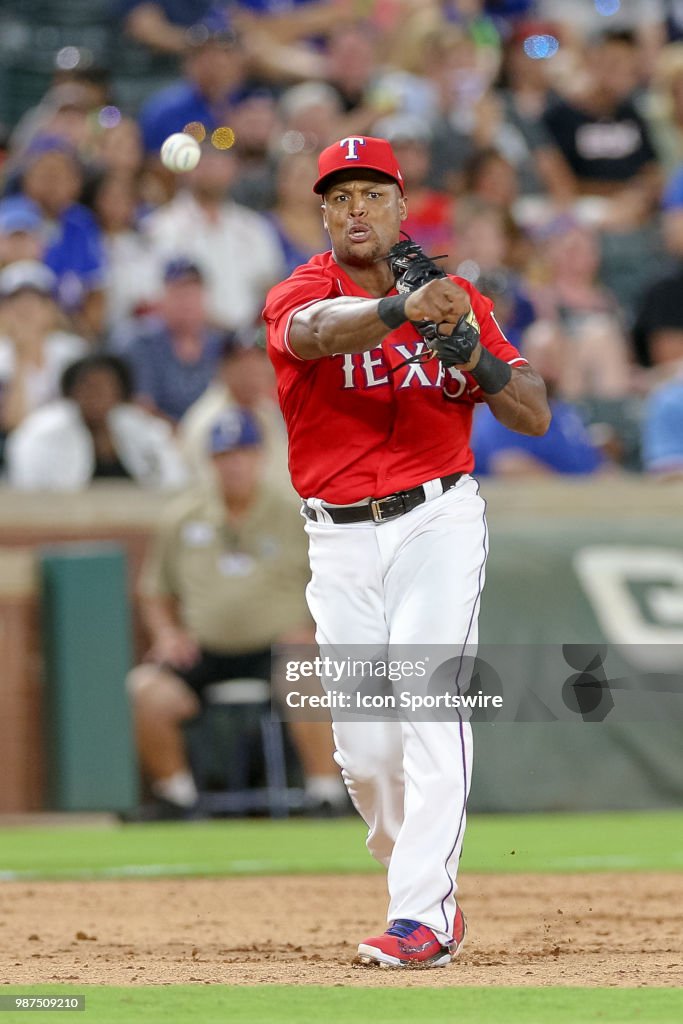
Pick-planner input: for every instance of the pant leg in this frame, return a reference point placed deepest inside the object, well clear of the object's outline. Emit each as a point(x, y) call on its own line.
point(346, 599)
point(433, 587)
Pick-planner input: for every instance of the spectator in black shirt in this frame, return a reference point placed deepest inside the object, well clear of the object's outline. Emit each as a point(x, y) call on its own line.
point(603, 138)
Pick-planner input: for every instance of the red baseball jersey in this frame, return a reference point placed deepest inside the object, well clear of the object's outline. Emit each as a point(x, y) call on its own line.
point(356, 429)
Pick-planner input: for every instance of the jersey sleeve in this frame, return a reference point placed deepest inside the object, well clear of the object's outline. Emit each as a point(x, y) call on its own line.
point(491, 335)
point(306, 286)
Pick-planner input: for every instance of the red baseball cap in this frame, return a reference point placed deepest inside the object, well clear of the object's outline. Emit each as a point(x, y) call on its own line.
point(357, 151)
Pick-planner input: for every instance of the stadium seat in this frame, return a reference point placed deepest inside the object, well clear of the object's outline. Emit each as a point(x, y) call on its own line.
point(237, 751)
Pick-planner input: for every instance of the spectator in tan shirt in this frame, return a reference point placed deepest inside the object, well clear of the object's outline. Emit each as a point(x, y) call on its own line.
point(224, 580)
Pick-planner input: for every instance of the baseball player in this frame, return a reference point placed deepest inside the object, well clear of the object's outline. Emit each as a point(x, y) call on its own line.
point(378, 451)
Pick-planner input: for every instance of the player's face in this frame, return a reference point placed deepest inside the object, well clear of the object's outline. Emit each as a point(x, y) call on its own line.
point(363, 219)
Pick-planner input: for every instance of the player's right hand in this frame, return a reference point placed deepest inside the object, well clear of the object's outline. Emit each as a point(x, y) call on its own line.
point(440, 300)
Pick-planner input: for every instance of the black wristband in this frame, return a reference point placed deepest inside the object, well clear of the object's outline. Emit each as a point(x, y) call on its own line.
point(392, 310)
point(491, 373)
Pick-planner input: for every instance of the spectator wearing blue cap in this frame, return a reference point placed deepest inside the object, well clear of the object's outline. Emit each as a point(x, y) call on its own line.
point(174, 353)
point(52, 179)
point(22, 232)
point(223, 581)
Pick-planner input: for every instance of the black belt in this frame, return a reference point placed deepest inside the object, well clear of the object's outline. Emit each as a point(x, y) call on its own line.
point(379, 510)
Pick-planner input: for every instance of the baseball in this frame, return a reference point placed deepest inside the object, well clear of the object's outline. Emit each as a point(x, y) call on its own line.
point(180, 153)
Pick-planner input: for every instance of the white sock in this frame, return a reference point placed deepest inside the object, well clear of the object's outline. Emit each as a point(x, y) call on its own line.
point(326, 789)
point(178, 788)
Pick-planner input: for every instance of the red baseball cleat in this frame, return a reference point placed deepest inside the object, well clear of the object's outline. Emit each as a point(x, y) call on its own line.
point(411, 944)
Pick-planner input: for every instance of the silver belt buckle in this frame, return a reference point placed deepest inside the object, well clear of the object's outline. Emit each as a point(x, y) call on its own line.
point(376, 509)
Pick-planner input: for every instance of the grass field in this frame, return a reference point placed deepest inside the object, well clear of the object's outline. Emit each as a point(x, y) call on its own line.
point(289, 1005)
point(650, 841)
point(545, 843)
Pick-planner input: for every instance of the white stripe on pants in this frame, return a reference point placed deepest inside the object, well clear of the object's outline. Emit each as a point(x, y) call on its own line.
point(415, 580)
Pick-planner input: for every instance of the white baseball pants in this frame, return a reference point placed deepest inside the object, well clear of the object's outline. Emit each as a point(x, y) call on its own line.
point(415, 580)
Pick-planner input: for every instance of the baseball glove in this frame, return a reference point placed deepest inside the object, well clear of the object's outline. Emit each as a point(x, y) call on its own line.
point(412, 268)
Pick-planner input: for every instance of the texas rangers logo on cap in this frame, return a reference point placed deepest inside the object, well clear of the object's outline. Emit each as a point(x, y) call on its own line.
point(352, 143)
point(361, 151)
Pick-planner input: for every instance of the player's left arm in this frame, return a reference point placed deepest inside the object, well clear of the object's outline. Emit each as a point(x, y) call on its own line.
point(522, 405)
point(516, 394)
point(471, 341)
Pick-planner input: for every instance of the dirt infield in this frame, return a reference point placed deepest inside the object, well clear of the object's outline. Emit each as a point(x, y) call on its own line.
point(591, 929)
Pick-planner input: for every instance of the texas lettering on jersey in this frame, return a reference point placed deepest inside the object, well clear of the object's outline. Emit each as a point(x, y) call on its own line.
point(363, 425)
point(372, 369)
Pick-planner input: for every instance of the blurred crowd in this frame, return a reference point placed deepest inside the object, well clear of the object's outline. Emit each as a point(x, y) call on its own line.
point(542, 148)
